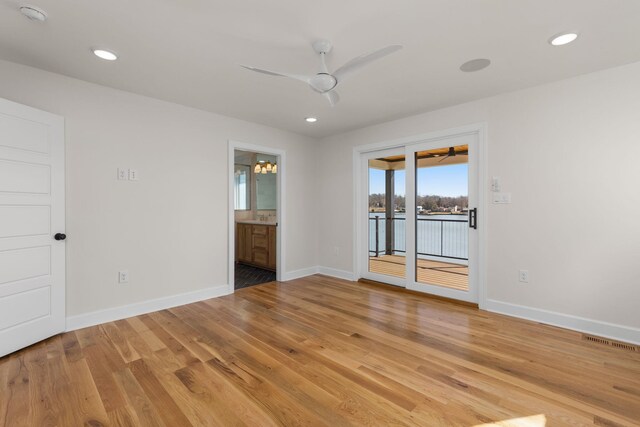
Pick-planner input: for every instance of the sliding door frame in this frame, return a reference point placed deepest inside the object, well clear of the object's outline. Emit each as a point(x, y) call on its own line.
point(363, 205)
point(471, 294)
point(480, 130)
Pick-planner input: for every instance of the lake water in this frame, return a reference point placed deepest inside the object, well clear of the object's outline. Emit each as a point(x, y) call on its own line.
point(436, 235)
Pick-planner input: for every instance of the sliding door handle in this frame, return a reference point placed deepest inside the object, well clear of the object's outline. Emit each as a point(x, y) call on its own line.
point(473, 218)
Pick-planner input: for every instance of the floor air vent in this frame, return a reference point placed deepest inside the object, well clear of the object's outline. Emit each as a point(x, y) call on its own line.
point(611, 343)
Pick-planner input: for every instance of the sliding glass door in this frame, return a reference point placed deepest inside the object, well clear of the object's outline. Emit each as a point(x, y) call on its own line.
point(444, 218)
point(385, 218)
point(421, 216)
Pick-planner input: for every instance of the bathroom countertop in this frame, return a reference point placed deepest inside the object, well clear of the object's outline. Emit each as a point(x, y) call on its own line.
point(256, 221)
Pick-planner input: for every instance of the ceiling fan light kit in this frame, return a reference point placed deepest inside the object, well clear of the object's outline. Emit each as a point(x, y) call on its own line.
point(324, 82)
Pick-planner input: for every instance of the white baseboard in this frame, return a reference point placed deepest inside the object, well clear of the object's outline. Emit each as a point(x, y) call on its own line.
point(340, 274)
point(122, 312)
point(296, 274)
point(580, 324)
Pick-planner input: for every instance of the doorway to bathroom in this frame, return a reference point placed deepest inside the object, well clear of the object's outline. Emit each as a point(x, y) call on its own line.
point(255, 238)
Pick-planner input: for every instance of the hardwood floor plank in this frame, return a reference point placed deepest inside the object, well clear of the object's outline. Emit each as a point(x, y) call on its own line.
point(72, 349)
point(137, 399)
point(15, 392)
point(320, 351)
point(87, 400)
point(164, 404)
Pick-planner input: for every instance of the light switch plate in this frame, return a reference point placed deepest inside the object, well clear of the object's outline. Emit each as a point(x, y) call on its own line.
point(495, 184)
point(123, 174)
point(133, 175)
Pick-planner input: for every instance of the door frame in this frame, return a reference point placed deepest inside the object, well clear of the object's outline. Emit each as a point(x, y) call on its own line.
point(479, 129)
point(280, 203)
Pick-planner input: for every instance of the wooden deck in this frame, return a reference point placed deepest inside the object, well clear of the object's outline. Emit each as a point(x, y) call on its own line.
point(319, 351)
point(449, 275)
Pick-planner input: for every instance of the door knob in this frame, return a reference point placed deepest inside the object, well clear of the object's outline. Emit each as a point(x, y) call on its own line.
point(60, 236)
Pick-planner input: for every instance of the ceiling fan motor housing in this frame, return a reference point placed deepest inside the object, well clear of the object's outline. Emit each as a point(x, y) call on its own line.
point(323, 82)
point(322, 46)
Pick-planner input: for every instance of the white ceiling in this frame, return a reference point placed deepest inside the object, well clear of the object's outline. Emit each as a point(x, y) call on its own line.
point(188, 51)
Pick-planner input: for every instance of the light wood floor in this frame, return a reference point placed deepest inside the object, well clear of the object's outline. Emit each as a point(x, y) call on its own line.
point(447, 274)
point(320, 351)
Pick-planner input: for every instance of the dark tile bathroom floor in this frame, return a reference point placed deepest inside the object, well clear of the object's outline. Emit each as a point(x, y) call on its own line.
point(248, 276)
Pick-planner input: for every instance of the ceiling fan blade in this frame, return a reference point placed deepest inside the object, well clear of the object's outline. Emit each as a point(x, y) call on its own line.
point(333, 97)
point(363, 60)
point(278, 74)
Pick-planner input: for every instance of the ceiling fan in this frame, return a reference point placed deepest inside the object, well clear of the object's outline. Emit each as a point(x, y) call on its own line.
point(452, 153)
point(324, 82)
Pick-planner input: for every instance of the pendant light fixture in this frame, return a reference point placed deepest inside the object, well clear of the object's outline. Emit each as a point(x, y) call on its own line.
point(265, 167)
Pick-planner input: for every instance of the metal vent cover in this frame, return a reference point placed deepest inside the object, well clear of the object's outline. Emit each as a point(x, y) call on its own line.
point(611, 343)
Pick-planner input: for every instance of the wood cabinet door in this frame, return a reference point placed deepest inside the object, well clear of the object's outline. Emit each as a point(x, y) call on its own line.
point(239, 248)
point(244, 242)
point(272, 247)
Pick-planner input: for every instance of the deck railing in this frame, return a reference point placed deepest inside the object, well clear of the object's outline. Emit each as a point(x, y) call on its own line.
point(444, 238)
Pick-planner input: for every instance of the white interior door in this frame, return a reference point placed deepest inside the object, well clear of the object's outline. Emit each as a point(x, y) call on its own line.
point(32, 248)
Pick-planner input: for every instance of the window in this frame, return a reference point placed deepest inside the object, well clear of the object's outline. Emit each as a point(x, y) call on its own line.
point(242, 188)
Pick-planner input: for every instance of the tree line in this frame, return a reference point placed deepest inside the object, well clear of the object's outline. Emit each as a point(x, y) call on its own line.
point(428, 202)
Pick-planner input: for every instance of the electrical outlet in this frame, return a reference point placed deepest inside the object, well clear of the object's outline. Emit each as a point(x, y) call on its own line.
point(523, 276)
point(123, 174)
point(133, 175)
point(123, 276)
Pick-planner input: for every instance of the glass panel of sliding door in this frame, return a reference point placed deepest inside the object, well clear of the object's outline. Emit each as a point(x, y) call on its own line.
point(386, 215)
point(442, 217)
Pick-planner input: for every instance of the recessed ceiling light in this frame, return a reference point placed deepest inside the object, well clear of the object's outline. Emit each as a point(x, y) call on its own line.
point(105, 54)
point(562, 39)
point(311, 119)
point(33, 13)
point(475, 65)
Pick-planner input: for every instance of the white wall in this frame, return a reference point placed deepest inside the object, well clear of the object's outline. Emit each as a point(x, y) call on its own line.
point(170, 228)
point(569, 154)
point(566, 151)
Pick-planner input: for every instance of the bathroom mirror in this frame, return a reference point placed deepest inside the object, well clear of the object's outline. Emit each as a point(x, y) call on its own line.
point(266, 189)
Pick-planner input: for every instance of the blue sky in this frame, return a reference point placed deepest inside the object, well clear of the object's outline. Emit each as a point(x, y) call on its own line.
point(449, 181)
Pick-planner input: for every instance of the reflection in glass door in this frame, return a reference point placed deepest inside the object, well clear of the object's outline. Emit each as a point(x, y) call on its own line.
point(386, 214)
point(442, 217)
